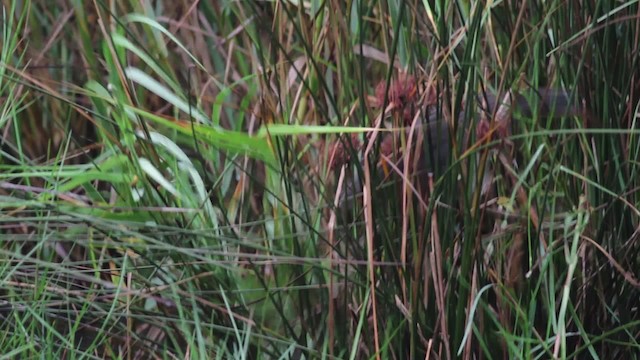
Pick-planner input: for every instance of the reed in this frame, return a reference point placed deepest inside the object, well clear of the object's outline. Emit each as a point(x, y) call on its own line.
point(171, 176)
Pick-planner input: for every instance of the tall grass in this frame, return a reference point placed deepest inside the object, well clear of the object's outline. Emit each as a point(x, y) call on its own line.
point(178, 180)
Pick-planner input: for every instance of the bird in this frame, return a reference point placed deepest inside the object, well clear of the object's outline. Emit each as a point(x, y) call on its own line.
point(433, 154)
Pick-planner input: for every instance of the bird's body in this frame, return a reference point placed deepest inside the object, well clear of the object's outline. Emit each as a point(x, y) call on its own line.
point(543, 103)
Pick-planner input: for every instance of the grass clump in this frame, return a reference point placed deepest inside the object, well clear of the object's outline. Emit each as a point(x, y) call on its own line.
point(268, 179)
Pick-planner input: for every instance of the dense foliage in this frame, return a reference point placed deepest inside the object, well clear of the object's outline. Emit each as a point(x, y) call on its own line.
point(319, 179)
